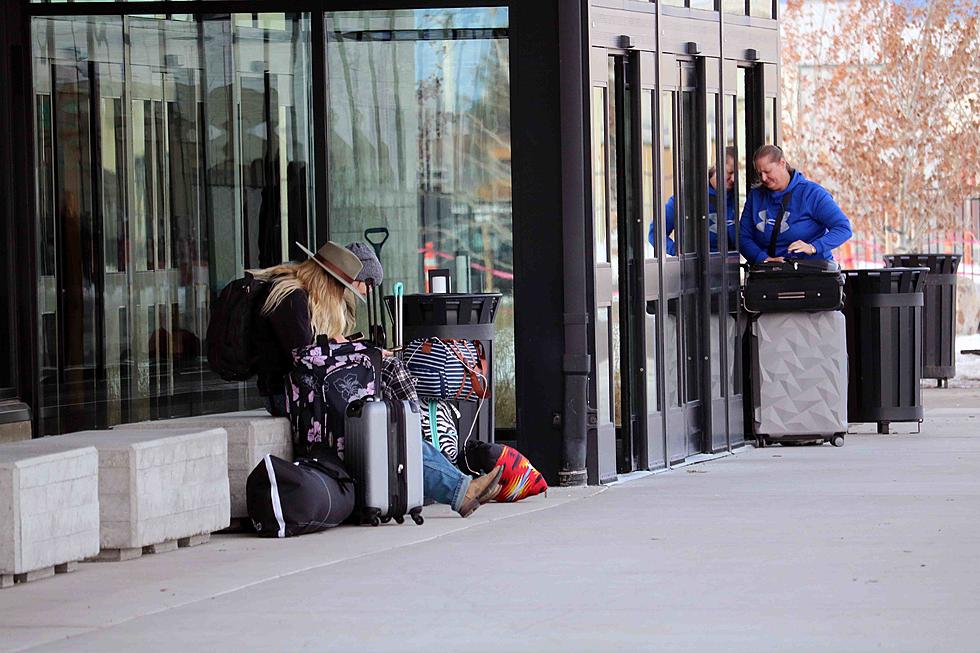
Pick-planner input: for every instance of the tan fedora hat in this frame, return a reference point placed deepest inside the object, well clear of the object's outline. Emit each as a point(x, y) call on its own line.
point(339, 262)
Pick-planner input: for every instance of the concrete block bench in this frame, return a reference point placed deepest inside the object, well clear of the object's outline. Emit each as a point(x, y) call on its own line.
point(158, 488)
point(251, 435)
point(49, 508)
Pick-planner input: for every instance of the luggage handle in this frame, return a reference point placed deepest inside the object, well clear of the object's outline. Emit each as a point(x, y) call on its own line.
point(398, 333)
point(377, 245)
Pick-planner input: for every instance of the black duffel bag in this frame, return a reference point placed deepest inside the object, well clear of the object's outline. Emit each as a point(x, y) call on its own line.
point(794, 285)
point(309, 495)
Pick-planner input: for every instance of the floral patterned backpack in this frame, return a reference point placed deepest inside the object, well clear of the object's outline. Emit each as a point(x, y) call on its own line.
point(325, 378)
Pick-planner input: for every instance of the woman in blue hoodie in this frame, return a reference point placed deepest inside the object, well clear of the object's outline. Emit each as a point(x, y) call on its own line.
point(813, 225)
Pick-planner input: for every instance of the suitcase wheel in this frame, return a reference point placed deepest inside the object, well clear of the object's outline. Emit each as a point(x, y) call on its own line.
point(417, 516)
point(375, 521)
point(385, 520)
point(760, 442)
point(837, 441)
point(400, 519)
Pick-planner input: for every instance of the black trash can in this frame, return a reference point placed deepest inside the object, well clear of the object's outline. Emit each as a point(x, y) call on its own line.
point(884, 314)
point(939, 313)
point(455, 315)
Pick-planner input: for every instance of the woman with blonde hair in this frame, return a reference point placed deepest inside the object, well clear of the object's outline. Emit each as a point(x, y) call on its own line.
point(318, 297)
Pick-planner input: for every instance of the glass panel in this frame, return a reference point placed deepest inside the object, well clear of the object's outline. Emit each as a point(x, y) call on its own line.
point(708, 5)
point(691, 201)
point(761, 8)
point(770, 120)
point(733, 7)
point(599, 186)
point(603, 368)
point(741, 94)
point(652, 369)
point(691, 307)
point(647, 171)
point(674, 3)
point(613, 208)
point(418, 141)
point(733, 153)
point(715, 336)
point(672, 353)
point(716, 173)
point(141, 200)
point(668, 183)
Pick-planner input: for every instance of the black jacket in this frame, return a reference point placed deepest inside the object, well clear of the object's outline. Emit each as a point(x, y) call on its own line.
point(277, 335)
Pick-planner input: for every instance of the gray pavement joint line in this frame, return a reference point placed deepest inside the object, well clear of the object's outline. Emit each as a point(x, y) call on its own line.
point(596, 491)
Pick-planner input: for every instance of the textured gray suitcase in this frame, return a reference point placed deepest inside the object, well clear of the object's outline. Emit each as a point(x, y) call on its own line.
point(800, 377)
point(383, 452)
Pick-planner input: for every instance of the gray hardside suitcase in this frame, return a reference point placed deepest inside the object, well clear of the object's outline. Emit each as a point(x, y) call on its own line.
point(799, 377)
point(383, 453)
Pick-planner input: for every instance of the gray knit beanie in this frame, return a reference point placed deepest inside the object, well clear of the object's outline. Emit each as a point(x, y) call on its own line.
point(372, 269)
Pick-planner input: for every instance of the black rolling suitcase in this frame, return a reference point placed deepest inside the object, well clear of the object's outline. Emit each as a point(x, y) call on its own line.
point(794, 285)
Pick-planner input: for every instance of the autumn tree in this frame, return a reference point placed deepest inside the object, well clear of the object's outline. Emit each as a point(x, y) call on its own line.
point(881, 104)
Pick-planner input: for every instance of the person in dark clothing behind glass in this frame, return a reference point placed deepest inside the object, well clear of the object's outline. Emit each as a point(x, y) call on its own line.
point(318, 297)
point(813, 225)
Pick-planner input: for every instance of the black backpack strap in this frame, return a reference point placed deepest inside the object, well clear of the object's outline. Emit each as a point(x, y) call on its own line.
point(779, 223)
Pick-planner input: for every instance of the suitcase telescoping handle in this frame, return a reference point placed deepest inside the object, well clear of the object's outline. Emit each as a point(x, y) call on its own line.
point(397, 329)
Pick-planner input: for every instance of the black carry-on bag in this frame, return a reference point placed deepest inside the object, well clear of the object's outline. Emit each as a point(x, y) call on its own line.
point(794, 284)
point(383, 451)
point(286, 499)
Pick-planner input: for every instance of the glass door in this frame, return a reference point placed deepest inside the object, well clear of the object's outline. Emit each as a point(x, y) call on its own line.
point(143, 194)
point(691, 248)
point(620, 387)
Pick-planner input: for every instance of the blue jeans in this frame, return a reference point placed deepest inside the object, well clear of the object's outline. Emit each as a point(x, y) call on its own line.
point(442, 482)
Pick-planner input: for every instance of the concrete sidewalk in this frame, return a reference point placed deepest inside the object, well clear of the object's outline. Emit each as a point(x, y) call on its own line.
point(799, 548)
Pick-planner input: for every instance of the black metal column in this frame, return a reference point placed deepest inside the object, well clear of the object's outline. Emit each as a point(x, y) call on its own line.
point(18, 292)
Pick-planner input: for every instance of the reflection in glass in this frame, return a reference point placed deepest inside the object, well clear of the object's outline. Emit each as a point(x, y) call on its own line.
point(615, 177)
point(668, 183)
point(647, 169)
point(418, 141)
point(141, 123)
point(652, 369)
point(672, 353)
point(599, 186)
point(741, 93)
point(732, 146)
point(604, 385)
point(691, 307)
point(690, 206)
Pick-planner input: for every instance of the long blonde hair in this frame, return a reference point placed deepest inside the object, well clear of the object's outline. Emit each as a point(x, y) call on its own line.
point(332, 308)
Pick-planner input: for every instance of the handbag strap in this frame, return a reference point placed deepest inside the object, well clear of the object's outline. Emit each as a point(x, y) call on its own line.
point(779, 223)
point(433, 424)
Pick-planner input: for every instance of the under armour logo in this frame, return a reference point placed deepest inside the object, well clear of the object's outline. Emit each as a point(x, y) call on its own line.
point(764, 220)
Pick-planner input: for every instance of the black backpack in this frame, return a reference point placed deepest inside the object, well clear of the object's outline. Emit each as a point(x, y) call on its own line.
point(286, 499)
point(231, 352)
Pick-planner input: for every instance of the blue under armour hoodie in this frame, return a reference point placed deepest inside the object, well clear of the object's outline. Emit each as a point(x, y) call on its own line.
point(811, 216)
point(670, 222)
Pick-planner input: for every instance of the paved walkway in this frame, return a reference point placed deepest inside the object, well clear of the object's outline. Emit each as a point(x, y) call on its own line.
point(872, 546)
